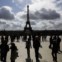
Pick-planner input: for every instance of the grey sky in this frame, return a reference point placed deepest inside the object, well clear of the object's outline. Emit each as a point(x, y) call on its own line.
point(41, 13)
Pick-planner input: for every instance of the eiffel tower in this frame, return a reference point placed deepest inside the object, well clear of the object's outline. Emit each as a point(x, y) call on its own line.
point(28, 28)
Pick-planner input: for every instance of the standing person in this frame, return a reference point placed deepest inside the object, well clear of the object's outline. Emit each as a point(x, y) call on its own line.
point(12, 38)
point(59, 40)
point(44, 38)
point(50, 46)
point(36, 45)
point(6, 38)
point(14, 53)
point(0, 50)
point(28, 45)
point(18, 37)
point(54, 48)
point(4, 49)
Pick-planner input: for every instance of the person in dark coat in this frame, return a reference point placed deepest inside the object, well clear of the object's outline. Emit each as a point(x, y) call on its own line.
point(6, 39)
point(4, 49)
point(18, 37)
point(0, 51)
point(36, 45)
point(12, 38)
point(28, 45)
point(14, 53)
point(50, 46)
point(44, 38)
point(54, 48)
point(24, 38)
point(59, 40)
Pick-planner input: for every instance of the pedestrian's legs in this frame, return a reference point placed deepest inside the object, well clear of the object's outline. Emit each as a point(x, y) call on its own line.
point(50, 44)
point(5, 57)
point(36, 53)
point(12, 56)
point(12, 60)
point(53, 56)
point(28, 52)
point(59, 47)
point(56, 57)
point(2, 57)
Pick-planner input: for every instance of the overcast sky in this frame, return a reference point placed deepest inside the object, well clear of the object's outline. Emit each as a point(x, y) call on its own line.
point(44, 14)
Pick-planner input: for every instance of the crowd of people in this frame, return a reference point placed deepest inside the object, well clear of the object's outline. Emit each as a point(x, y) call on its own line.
point(55, 46)
point(4, 47)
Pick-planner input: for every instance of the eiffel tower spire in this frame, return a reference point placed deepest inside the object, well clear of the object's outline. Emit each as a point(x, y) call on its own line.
point(28, 25)
point(28, 21)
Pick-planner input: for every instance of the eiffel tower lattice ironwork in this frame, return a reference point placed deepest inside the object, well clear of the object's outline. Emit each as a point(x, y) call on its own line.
point(28, 28)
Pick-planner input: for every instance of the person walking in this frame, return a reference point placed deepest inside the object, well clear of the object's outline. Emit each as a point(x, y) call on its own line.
point(14, 53)
point(54, 48)
point(4, 49)
point(28, 45)
point(36, 45)
point(59, 41)
point(50, 46)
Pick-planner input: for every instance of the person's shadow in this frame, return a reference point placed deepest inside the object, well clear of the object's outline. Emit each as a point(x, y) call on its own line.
point(29, 60)
point(38, 61)
point(40, 56)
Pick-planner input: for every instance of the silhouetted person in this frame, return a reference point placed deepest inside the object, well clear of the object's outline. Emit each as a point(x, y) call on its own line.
point(18, 37)
point(39, 39)
point(43, 38)
point(24, 38)
point(36, 45)
point(4, 49)
point(50, 46)
point(6, 39)
point(12, 38)
point(54, 48)
point(59, 40)
point(14, 53)
point(28, 45)
point(0, 51)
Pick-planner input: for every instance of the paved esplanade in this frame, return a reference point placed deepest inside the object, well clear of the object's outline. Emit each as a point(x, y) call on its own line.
point(44, 51)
